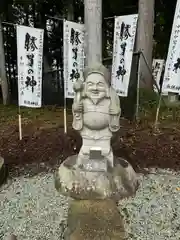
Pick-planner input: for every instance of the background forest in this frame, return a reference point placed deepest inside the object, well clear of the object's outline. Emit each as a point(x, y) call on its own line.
point(49, 15)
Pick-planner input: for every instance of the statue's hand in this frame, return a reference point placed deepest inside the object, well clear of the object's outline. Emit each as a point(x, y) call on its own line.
point(78, 107)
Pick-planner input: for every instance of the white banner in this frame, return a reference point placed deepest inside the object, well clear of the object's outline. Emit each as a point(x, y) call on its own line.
point(124, 38)
point(29, 61)
point(171, 82)
point(73, 44)
point(157, 68)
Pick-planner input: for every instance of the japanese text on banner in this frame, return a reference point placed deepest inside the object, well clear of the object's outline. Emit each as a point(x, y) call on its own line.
point(171, 82)
point(29, 58)
point(73, 55)
point(124, 38)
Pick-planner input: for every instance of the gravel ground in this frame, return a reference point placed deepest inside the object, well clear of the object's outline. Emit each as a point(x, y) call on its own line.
point(31, 208)
point(154, 213)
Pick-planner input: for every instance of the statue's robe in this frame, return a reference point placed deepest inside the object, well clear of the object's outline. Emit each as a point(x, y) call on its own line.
point(96, 123)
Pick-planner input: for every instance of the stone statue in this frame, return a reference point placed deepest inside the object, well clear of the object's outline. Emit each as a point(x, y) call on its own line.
point(95, 173)
point(96, 113)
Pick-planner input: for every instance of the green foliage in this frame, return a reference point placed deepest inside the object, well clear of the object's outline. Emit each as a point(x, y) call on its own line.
point(148, 102)
point(148, 98)
point(148, 105)
point(164, 14)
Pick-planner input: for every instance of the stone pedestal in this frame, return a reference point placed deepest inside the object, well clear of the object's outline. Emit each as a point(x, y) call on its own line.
point(95, 174)
point(3, 171)
point(116, 183)
point(94, 220)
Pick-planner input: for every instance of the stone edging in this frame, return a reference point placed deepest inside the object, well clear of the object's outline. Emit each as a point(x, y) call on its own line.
point(3, 171)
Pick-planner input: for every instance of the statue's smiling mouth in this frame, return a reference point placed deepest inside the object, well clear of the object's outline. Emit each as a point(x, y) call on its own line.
point(96, 92)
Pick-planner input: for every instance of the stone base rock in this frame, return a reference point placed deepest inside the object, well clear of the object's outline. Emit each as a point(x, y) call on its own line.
point(3, 171)
point(115, 183)
point(93, 219)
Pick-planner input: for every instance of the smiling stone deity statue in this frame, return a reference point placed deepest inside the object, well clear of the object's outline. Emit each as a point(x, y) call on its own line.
point(95, 173)
point(96, 113)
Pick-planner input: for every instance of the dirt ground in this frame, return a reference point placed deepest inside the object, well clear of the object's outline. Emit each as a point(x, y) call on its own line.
point(45, 145)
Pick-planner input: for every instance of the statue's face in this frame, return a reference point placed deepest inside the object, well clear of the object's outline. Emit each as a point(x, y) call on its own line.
point(96, 87)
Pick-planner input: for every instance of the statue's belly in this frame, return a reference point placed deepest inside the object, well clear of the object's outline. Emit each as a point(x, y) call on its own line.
point(96, 120)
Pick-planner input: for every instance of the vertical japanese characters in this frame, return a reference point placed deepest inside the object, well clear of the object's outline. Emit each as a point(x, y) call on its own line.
point(124, 38)
point(171, 82)
point(73, 55)
point(157, 68)
point(29, 58)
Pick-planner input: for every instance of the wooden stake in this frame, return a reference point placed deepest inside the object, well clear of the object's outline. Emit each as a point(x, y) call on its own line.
point(20, 124)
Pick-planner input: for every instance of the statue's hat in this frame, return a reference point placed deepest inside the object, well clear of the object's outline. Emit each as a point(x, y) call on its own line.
point(97, 68)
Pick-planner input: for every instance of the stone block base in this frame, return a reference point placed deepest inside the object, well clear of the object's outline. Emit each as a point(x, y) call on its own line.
point(115, 183)
point(94, 220)
point(3, 171)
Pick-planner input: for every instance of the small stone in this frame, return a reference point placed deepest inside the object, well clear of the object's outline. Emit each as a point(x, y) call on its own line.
point(11, 237)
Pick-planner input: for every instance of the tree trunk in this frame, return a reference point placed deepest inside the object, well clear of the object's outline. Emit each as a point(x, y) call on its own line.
point(144, 42)
point(3, 78)
point(70, 11)
point(93, 36)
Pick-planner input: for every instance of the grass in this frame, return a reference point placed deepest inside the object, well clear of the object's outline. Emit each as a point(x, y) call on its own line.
point(169, 112)
point(49, 115)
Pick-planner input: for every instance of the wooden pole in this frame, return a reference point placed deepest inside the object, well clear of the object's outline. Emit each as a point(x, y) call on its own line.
point(3, 79)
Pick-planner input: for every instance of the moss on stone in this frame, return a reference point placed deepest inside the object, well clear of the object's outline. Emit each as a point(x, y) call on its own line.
point(93, 220)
